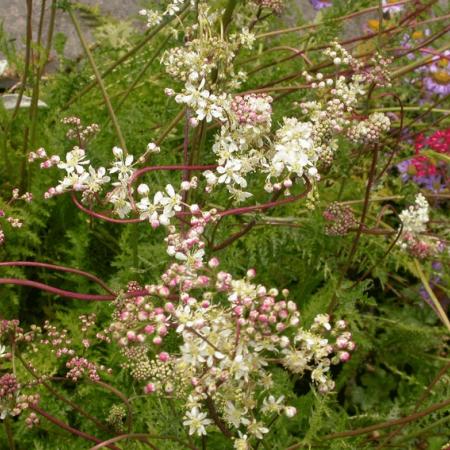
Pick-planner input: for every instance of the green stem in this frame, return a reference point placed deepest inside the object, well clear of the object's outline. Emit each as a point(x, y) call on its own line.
point(436, 302)
point(125, 57)
point(57, 395)
point(100, 82)
point(409, 108)
point(422, 430)
point(228, 14)
point(9, 433)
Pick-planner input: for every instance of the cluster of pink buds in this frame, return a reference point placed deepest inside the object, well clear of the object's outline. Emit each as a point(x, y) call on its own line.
point(344, 344)
point(58, 341)
point(79, 367)
point(40, 153)
point(138, 320)
point(11, 402)
point(49, 162)
point(32, 420)
point(8, 386)
point(340, 219)
point(252, 108)
point(421, 247)
point(79, 132)
point(10, 330)
point(13, 221)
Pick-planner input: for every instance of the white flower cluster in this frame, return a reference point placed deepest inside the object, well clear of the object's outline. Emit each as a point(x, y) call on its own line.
point(412, 239)
point(369, 130)
point(155, 17)
point(162, 208)
point(204, 104)
point(416, 217)
point(82, 177)
point(230, 332)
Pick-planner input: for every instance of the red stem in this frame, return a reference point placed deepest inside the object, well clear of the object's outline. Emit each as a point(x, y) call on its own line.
point(59, 268)
point(68, 428)
point(69, 294)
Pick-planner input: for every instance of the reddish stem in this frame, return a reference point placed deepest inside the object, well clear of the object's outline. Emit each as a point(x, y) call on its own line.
point(68, 428)
point(59, 268)
point(69, 294)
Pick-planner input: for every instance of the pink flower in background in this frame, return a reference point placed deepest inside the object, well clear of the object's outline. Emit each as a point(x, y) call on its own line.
point(421, 169)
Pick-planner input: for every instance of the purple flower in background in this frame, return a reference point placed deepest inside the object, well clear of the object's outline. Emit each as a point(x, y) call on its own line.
point(389, 6)
point(319, 4)
point(437, 79)
point(435, 281)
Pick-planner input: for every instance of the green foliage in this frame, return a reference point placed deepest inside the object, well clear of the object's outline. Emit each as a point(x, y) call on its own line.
point(401, 345)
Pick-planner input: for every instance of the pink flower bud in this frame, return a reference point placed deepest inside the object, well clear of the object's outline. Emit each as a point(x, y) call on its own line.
point(157, 340)
point(290, 411)
point(169, 307)
point(149, 388)
point(213, 263)
point(344, 356)
point(164, 291)
point(142, 315)
point(149, 329)
point(164, 356)
point(131, 336)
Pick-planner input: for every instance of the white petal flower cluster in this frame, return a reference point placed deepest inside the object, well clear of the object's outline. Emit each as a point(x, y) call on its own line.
point(158, 211)
point(416, 217)
point(413, 238)
point(230, 332)
point(204, 104)
point(155, 17)
point(162, 208)
point(295, 149)
point(77, 178)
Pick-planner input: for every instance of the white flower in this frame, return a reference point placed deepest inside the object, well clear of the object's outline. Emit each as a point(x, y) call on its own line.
point(235, 416)
point(192, 258)
point(257, 429)
point(230, 173)
point(272, 405)
point(118, 152)
point(211, 178)
point(196, 421)
point(75, 160)
point(414, 218)
point(290, 411)
point(171, 202)
point(96, 179)
point(3, 66)
point(242, 442)
point(143, 189)
point(123, 167)
point(247, 38)
point(395, 9)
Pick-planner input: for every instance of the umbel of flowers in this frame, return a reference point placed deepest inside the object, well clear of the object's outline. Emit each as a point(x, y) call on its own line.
point(230, 333)
point(245, 145)
point(413, 237)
